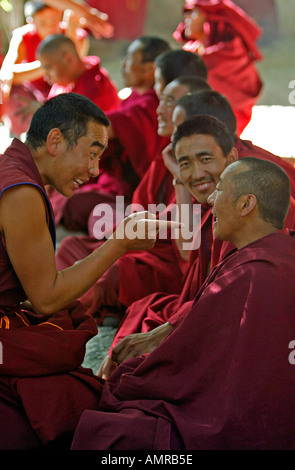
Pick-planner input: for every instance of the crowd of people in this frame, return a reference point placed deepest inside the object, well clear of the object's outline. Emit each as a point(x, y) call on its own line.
point(204, 313)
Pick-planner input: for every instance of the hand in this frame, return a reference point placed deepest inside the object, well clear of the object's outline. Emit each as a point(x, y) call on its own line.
point(106, 368)
point(139, 231)
point(170, 161)
point(98, 24)
point(140, 343)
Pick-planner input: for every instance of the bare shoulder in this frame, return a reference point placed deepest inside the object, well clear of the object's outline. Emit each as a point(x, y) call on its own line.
point(20, 201)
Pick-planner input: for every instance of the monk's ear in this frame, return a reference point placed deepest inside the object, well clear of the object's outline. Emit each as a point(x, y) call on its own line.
point(232, 156)
point(247, 203)
point(53, 141)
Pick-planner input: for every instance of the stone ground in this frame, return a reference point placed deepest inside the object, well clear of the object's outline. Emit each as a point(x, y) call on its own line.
point(271, 126)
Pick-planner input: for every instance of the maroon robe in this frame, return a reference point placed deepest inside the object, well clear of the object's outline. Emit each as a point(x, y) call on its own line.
point(43, 388)
point(123, 164)
point(229, 54)
point(160, 307)
point(223, 379)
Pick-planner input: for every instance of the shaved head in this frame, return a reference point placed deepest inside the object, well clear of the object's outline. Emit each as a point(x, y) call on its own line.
point(268, 182)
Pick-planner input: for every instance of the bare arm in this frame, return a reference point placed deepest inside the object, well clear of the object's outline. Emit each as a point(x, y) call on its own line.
point(31, 252)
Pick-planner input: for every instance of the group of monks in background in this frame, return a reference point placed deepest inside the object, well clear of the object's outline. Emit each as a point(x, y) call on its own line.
point(211, 80)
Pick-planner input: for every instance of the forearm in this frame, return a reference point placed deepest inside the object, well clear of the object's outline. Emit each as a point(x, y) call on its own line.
point(185, 209)
point(28, 71)
point(74, 281)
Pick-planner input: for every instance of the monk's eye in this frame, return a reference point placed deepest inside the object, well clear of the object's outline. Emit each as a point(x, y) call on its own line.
point(184, 164)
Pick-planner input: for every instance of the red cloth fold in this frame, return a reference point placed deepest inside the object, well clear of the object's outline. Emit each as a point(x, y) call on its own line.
point(222, 379)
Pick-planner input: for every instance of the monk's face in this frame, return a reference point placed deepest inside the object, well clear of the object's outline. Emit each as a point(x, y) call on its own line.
point(133, 68)
point(201, 162)
point(170, 95)
point(160, 83)
point(74, 166)
point(226, 223)
point(47, 22)
point(194, 24)
point(57, 68)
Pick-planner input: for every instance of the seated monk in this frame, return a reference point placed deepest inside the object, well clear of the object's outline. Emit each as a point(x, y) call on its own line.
point(224, 378)
point(43, 329)
point(225, 37)
point(159, 269)
point(149, 320)
point(127, 158)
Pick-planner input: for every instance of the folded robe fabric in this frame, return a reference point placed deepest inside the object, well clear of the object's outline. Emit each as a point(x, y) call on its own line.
point(222, 379)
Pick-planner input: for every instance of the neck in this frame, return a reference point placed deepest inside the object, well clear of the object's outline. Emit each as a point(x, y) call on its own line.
point(143, 88)
point(39, 160)
point(253, 235)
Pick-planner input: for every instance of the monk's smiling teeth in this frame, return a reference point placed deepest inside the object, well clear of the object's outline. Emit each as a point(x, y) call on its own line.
point(78, 181)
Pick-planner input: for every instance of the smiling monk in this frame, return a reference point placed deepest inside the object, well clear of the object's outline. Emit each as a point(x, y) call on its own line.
point(43, 329)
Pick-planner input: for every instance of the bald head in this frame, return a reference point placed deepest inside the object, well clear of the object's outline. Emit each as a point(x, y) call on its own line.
point(268, 182)
point(55, 44)
point(60, 60)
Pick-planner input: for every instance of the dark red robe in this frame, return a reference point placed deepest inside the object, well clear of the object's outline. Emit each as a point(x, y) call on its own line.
point(223, 379)
point(43, 388)
point(229, 54)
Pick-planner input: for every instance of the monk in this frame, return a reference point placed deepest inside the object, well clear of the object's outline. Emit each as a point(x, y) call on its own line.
point(139, 273)
point(65, 71)
point(225, 37)
point(155, 315)
point(43, 329)
point(224, 379)
point(127, 158)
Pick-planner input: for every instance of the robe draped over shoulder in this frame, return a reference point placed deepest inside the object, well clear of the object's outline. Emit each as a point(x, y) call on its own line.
point(43, 388)
point(222, 379)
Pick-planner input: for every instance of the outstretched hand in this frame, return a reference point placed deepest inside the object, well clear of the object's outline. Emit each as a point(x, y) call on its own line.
point(139, 231)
